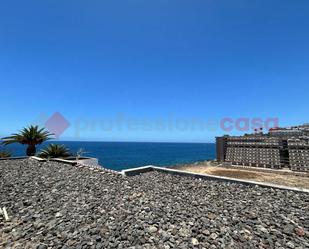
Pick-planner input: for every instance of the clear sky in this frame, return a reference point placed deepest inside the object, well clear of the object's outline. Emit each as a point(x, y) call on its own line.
point(137, 70)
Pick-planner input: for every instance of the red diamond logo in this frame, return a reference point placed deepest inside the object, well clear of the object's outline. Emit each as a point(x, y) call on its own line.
point(57, 124)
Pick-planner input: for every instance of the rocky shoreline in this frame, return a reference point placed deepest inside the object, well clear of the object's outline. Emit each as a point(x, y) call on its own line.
point(54, 205)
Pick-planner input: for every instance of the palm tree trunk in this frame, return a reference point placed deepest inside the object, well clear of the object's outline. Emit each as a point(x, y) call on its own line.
point(31, 150)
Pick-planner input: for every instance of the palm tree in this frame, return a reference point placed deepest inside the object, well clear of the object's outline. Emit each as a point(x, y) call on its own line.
point(4, 154)
point(32, 136)
point(55, 150)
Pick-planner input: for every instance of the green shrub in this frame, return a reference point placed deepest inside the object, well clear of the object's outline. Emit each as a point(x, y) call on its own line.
point(55, 151)
point(5, 154)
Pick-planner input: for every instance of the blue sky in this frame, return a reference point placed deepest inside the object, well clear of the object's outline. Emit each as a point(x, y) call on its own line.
point(160, 64)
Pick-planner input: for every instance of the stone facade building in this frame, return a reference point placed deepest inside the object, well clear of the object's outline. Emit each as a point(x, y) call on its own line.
point(299, 154)
point(280, 148)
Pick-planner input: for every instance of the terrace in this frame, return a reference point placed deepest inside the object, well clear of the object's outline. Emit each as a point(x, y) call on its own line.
point(57, 205)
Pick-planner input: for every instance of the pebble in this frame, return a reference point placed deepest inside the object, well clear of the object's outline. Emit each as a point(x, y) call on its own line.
point(55, 205)
point(194, 241)
point(213, 236)
point(290, 245)
point(152, 229)
point(206, 232)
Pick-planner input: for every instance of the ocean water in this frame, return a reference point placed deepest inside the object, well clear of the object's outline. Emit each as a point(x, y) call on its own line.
point(123, 155)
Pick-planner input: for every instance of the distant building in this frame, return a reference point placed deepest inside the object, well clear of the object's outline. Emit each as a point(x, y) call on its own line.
point(221, 144)
point(280, 148)
point(298, 154)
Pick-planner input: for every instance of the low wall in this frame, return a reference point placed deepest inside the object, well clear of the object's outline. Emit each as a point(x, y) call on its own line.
point(141, 170)
point(91, 163)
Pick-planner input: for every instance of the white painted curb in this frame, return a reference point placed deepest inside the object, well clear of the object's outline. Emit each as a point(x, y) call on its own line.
point(140, 170)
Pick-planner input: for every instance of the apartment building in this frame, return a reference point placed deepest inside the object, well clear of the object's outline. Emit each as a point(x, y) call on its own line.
point(279, 148)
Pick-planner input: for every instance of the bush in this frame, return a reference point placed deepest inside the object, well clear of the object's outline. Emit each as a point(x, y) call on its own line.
point(55, 151)
point(5, 154)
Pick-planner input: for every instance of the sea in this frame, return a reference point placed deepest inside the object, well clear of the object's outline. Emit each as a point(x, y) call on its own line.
point(124, 155)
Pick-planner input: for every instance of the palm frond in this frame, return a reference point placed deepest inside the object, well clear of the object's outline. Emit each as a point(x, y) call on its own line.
point(32, 135)
point(5, 154)
point(55, 151)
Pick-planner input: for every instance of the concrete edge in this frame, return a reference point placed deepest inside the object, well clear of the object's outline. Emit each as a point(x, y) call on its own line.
point(72, 162)
point(138, 170)
point(76, 164)
point(54, 159)
point(38, 158)
point(148, 168)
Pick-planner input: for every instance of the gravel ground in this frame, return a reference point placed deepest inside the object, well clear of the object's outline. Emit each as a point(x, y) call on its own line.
point(53, 205)
point(291, 179)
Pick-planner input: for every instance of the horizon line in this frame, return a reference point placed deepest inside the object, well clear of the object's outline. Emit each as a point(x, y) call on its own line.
point(102, 141)
point(129, 141)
